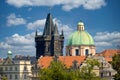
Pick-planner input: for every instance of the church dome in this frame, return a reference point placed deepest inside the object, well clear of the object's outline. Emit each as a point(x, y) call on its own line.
point(80, 37)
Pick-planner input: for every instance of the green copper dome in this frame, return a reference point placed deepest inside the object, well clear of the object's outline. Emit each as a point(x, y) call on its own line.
point(80, 38)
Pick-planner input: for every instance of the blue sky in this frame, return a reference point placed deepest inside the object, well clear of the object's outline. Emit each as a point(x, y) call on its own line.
point(20, 19)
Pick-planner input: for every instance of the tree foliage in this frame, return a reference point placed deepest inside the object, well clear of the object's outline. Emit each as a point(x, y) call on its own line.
point(58, 71)
point(4, 78)
point(86, 71)
point(116, 65)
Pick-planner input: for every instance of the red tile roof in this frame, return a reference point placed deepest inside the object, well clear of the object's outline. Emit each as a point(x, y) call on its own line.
point(108, 59)
point(108, 54)
point(67, 60)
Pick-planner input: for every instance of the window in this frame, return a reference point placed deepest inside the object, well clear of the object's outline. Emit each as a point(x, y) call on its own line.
point(77, 52)
point(1, 69)
point(86, 52)
point(70, 53)
point(25, 68)
point(16, 77)
point(5, 75)
point(25, 77)
point(10, 68)
point(15, 68)
point(101, 74)
point(10, 76)
point(109, 73)
point(6, 68)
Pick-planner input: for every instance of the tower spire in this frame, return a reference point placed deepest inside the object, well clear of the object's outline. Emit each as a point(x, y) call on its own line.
point(56, 30)
point(50, 43)
point(49, 27)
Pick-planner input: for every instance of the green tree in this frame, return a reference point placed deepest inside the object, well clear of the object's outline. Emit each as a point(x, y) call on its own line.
point(4, 78)
point(86, 71)
point(58, 71)
point(116, 65)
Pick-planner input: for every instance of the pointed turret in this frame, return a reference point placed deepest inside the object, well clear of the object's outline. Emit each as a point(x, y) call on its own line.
point(49, 26)
point(56, 30)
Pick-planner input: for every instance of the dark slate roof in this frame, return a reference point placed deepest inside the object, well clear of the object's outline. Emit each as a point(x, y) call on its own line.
point(20, 57)
point(56, 30)
point(49, 26)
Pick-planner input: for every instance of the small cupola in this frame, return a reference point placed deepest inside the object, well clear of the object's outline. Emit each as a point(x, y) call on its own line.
point(80, 26)
point(9, 53)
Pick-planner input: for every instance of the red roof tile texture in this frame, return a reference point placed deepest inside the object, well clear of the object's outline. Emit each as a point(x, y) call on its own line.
point(108, 54)
point(67, 60)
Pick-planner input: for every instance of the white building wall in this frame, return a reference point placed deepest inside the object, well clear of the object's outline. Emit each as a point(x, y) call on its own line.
point(17, 69)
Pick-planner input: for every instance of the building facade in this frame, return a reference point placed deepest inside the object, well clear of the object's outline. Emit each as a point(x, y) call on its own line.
point(80, 43)
point(15, 69)
point(51, 42)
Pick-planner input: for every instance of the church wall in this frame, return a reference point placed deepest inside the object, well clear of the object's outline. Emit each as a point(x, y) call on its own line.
point(71, 50)
point(93, 50)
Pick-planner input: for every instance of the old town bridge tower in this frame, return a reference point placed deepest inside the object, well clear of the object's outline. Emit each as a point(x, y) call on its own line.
point(50, 43)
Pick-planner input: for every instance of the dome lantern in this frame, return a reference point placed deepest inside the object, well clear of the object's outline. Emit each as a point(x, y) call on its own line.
point(80, 26)
point(9, 53)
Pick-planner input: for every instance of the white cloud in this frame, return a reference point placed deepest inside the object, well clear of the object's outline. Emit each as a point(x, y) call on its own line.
point(36, 24)
point(4, 45)
point(94, 4)
point(19, 44)
point(67, 29)
point(67, 5)
point(107, 40)
point(12, 20)
point(102, 43)
point(106, 36)
point(39, 24)
point(24, 44)
point(17, 39)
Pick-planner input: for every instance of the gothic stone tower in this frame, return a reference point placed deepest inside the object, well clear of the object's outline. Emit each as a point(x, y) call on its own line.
point(50, 43)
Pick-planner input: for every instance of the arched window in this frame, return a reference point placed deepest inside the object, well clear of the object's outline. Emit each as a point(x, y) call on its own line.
point(109, 73)
point(77, 52)
point(86, 52)
point(69, 52)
